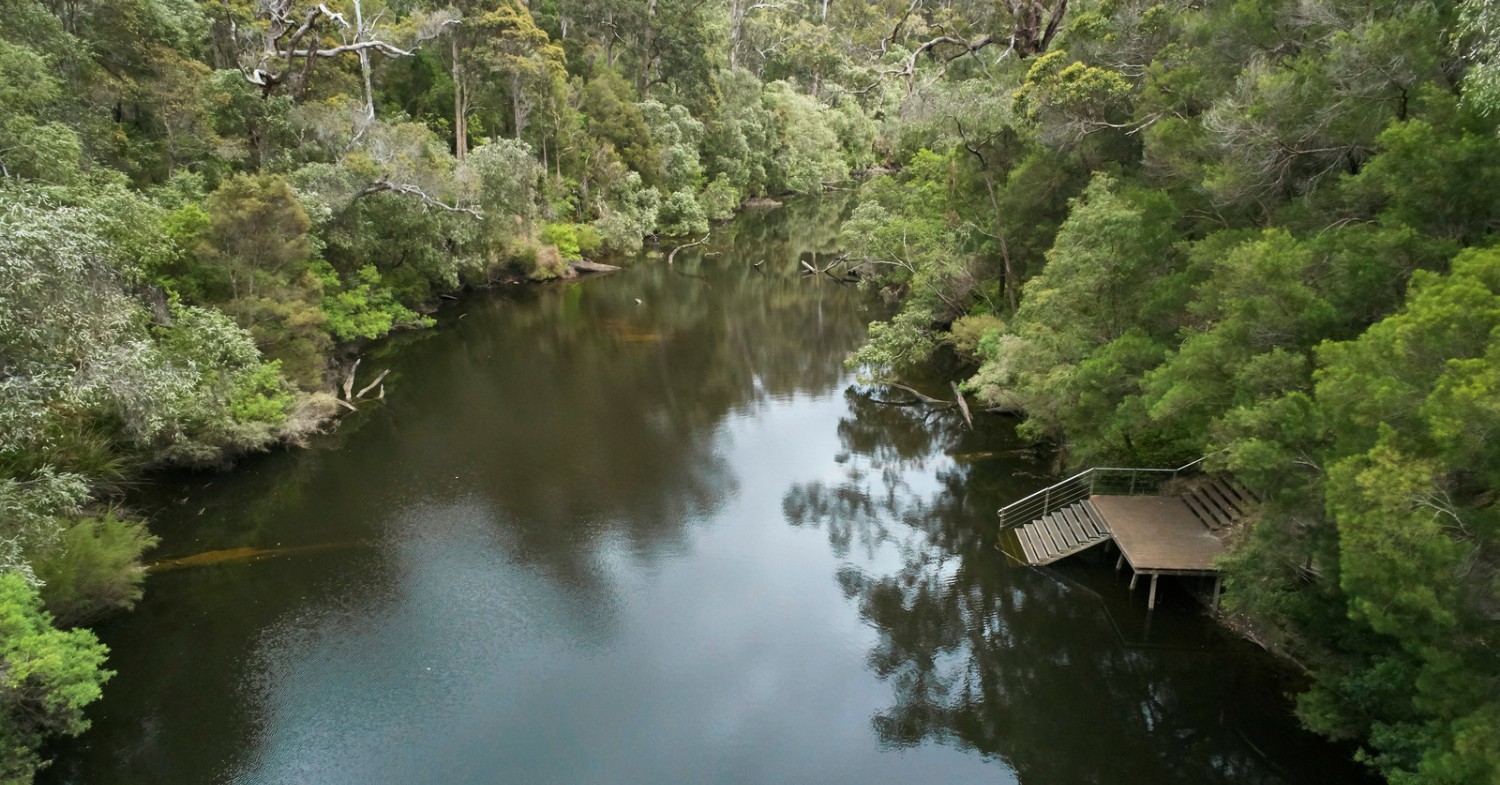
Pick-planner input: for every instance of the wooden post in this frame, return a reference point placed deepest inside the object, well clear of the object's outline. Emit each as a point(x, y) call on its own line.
point(1151, 600)
point(1134, 576)
point(1218, 585)
point(1120, 562)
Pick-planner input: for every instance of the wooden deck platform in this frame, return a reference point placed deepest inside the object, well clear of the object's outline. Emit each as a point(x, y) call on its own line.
point(1160, 535)
point(1179, 534)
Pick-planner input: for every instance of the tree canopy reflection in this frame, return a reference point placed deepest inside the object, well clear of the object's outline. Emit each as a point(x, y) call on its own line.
point(1015, 663)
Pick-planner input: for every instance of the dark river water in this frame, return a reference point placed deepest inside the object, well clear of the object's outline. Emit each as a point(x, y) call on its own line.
point(645, 529)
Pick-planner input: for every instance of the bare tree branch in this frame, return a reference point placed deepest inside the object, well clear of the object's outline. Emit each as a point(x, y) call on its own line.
point(383, 185)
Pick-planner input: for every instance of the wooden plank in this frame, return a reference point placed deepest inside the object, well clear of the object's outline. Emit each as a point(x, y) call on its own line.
point(1044, 544)
point(1060, 533)
point(1094, 519)
point(1198, 509)
point(1228, 512)
point(1025, 548)
point(1159, 533)
point(1085, 534)
point(1065, 523)
point(1213, 509)
point(1230, 509)
point(1099, 521)
point(1087, 525)
point(1226, 488)
point(1095, 531)
point(1245, 493)
point(1034, 546)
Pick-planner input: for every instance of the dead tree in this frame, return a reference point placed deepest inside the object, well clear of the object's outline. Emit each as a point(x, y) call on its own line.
point(293, 44)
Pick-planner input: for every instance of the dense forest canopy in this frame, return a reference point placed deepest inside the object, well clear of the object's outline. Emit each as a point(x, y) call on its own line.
point(1256, 229)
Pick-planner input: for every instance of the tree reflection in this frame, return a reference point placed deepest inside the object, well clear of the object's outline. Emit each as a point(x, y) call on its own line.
point(1020, 664)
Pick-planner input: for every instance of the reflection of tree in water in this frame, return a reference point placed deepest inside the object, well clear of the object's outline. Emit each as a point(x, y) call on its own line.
point(570, 414)
point(592, 410)
point(1015, 663)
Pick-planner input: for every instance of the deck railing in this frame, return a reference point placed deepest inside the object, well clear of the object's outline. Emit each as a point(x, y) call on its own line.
point(1100, 480)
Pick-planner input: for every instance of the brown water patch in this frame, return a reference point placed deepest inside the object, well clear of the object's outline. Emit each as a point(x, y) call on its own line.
point(234, 555)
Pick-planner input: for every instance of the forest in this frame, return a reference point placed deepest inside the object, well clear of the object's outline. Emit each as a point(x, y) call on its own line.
point(1260, 230)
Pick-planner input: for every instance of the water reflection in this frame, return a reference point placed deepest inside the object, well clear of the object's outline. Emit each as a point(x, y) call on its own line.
point(568, 561)
point(1029, 667)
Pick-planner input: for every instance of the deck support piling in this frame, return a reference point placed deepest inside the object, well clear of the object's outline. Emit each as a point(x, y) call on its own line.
point(1218, 587)
point(1120, 562)
point(1151, 601)
point(1134, 576)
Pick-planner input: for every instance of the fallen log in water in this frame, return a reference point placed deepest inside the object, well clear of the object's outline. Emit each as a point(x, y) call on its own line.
point(963, 405)
point(586, 266)
point(928, 399)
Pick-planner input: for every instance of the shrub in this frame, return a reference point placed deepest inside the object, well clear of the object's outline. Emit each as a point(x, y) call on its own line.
point(94, 568)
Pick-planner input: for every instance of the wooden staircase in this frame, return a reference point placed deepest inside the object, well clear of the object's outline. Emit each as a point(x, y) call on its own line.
point(1063, 519)
point(1062, 533)
point(1219, 502)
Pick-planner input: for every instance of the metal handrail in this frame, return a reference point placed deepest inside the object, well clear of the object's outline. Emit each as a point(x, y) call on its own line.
point(1073, 489)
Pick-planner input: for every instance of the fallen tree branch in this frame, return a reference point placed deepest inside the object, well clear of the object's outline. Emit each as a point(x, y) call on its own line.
point(377, 381)
point(924, 398)
point(963, 405)
point(882, 402)
point(689, 245)
point(349, 380)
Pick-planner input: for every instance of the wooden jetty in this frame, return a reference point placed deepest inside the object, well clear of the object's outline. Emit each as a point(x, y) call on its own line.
point(1163, 521)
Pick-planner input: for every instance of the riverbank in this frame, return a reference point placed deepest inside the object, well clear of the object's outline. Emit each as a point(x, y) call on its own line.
point(596, 539)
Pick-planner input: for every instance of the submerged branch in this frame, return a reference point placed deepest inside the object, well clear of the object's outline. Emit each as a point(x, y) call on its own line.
point(688, 245)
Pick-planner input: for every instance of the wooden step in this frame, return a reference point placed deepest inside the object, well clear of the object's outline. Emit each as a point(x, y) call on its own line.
point(1060, 534)
point(1026, 552)
point(1093, 514)
point(1224, 500)
point(1059, 531)
point(1235, 493)
point(1079, 533)
point(1251, 497)
point(1040, 545)
point(1197, 507)
point(1206, 512)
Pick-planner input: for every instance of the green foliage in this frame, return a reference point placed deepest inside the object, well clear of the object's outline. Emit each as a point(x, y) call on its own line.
point(1410, 480)
point(720, 199)
point(93, 568)
point(191, 231)
point(258, 230)
point(968, 332)
point(503, 175)
point(361, 307)
point(808, 149)
point(681, 215)
point(609, 102)
point(565, 238)
point(47, 679)
point(629, 214)
point(1185, 230)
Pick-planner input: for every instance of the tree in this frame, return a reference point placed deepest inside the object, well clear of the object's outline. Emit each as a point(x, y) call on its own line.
point(294, 33)
point(47, 677)
point(1412, 471)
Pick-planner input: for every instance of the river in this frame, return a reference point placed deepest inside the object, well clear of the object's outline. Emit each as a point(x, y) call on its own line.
point(643, 528)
